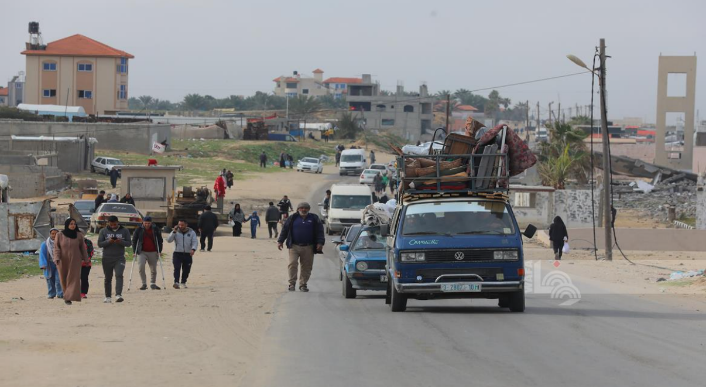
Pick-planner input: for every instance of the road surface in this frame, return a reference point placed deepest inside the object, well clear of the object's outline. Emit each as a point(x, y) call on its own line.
point(320, 339)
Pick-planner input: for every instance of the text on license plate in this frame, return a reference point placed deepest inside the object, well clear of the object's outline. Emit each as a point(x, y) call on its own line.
point(383, 278)
point(460, 287)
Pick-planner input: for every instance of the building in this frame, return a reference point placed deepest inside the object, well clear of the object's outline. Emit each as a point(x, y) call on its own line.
point(297, 85)
point(76, 71)
point(4, 96)
point(410, 116)
point(338, 86)
point(16, 90)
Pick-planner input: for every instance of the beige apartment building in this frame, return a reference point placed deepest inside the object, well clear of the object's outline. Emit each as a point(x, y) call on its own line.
point(91, 74)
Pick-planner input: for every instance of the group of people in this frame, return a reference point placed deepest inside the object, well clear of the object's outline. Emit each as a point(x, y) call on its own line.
point(114, 198)
point(273, 216)
point(286, 160)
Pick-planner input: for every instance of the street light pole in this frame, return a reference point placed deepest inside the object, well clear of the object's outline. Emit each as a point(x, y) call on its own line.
point(607, 188)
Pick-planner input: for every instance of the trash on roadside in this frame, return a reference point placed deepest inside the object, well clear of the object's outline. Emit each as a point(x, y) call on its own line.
point(677, 275)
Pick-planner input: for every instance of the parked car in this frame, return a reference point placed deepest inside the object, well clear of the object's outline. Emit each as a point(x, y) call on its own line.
point(367, 176)
point(380, 167)
point(128, 216)
point(347, 236)
point(364, 265)
point(310, 164)
point(86, 208)
point(281, 137)
point(104, 164)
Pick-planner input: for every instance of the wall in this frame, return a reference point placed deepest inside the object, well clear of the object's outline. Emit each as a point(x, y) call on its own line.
point(17, 233)
point(700, 206)
point(73, 157)
point(573, 206)
point(644, 152)
point(121, 137)
point(191, 132)
point(641, 239)
point(29, 181)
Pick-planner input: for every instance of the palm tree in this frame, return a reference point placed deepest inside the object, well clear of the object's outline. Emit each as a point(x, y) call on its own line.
point(347, 126)
point(303, 105)
point(564, 156)
point(146, 101)
point(194, 102)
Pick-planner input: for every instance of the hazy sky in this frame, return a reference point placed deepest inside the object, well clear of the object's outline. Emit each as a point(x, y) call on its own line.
point(237, 47)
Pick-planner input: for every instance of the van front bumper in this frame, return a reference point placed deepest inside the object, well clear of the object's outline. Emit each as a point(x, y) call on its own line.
point(435, 287)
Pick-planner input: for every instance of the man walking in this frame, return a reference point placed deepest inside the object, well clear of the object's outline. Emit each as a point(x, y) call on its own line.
point(285, 206)
point(127, 199)
point(304, 234)
point(147, 243)
point(338, 157)
point(263, 160)
point(100, 199)
point(185, 244)
point(208, 223)
point(113, 239)
point(272, 217)
point(372, 156)
point(114, 176)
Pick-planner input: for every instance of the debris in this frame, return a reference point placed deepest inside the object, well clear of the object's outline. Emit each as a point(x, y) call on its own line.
point(644, 187)
point(660, 279)
point(677, 275)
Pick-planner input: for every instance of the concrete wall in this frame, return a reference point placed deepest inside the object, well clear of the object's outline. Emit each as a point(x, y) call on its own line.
point(29, 181)
point(700, 206)
point(642, 239)
point(544, 203)
point(73, 157)
point(644, 151)
point(17, 233)
point(214, 132)
point(121, 137)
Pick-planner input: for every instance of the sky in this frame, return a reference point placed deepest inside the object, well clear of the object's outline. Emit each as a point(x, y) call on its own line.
point(238, 47)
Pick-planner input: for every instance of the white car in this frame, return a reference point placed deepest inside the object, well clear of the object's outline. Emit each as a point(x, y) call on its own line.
point(367, 176)
point(310, 164)
point(380, 167)
point(104, 164)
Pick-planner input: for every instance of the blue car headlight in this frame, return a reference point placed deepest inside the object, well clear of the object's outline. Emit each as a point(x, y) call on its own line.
point(361, 266)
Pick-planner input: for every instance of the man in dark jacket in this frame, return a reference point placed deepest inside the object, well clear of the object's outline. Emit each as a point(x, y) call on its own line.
point(272, 217)
point(113, 239)
point(147, 243)
point(114, 174)
point(127, 199)
point(100, 199)
point(263, 159)
point(208, 223)
point(304, 234)
point(285, 205)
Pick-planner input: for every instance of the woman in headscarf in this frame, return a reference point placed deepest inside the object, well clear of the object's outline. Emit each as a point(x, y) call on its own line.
point(46, 263)
point(238, 217)
point(69, 252)
point(558, 235)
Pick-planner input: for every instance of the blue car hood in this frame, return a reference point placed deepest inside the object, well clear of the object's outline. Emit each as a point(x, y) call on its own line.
point(368, 255)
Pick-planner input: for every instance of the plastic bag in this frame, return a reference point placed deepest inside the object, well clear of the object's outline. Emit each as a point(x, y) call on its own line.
point(565, 249)
point(231, 223)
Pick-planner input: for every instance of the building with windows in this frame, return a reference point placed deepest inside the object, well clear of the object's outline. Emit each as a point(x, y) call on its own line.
point(77, 71)
point(338, 86)
point(16, 90)
point(409, 115)
point(314, 86)
point(4, 96)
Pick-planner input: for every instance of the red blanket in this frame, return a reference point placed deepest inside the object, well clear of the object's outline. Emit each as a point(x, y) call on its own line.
point(520, 157)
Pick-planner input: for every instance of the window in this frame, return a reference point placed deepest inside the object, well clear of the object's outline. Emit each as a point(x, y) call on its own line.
point(18, 85)
point(48, 93)
point(122, 67)
point(2, 100)
point(525, 199)
point(122, 93)
point(87, 94)
point(291, 95)
point(291, 85)
point(408, 109)
point(342, 85)
point(388, 122)
point(350, 202)
point(49, 66)
point(380, 108)
point(305, 91)
point(85, 67)
point(457, 218)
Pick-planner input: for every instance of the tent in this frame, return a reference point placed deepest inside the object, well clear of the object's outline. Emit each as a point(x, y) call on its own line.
point(54, 110)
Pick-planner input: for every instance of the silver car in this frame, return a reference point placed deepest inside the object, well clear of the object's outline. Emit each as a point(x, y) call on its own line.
point(310, 164)
point(105, 164)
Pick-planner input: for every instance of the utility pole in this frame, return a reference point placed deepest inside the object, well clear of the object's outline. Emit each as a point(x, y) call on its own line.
point(528, 122)
point(550, 113)
point(537, 129)
point(607, 189)
point(558, 113)
point(448, 110)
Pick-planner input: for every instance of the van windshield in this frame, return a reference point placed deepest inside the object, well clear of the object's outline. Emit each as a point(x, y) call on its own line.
point(351, 158)
point(457, 218)
point(350, 202)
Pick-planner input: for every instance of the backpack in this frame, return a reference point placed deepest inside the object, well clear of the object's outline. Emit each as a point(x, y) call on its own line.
point(89, 247)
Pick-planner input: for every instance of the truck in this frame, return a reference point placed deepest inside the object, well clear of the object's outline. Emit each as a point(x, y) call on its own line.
point(454, 235)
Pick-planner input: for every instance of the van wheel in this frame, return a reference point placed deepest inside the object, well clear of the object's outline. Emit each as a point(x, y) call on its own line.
point(398, 302)
point(387, 292)
point(517, 301)
point(347, 287)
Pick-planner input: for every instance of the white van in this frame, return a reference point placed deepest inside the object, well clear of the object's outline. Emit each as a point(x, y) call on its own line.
point(346, 207)
point(352, 162)
point(542, 135)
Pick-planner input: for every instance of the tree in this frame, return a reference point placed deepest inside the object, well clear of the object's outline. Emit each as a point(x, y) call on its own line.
point(146, 101)
point(580, 120)
point(466, 97)
point(328, 101)
point(492, 106)
point(564, 156)
point(303, 105)
point(348, 126)
point(194, 102)
point(441, 94)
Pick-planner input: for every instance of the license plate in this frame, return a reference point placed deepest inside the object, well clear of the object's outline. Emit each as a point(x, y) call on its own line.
point(460, 287)
point(383, 278)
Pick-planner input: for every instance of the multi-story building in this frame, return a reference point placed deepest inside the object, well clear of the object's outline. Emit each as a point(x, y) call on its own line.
point(338, 86)
point(16, 90)
point(410, 116)
point(312, 86)
point(77, 71)
point(3, 96)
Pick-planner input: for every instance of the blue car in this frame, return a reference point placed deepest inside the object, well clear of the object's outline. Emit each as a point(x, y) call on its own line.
point(364, 264)
point(347, 236)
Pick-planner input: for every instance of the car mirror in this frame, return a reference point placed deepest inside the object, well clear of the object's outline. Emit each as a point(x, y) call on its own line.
point(343, 248)
point(530, 231)
point(384, 230)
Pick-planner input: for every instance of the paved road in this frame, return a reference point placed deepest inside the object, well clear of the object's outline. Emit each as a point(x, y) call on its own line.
point(321, 339)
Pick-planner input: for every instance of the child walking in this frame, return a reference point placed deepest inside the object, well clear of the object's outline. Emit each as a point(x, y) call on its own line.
point(254, 223)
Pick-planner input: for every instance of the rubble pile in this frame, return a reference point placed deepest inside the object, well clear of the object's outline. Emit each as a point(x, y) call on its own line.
point(655, 200)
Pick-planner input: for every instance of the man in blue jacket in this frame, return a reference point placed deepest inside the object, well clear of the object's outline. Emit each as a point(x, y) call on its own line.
point(304, 234)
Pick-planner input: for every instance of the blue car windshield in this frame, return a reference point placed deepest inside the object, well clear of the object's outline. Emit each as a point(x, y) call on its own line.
point(457, 218)
point(369, 239)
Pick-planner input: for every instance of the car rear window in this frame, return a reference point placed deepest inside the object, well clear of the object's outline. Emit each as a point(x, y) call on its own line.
point(370, 172)
point(310, 160)
point(87, 206)
point(126, 208)
point(114, 162)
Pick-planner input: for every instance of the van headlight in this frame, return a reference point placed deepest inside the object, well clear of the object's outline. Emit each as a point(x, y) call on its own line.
point(412, 257)
point(507, 255)
point(361, 266)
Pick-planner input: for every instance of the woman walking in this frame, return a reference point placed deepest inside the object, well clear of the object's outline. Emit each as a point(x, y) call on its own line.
point(558, 235)
point(238, 217)
point(229, 179)
point(69, 252)
point(377, 183)
point(46, 263)
point(86, 268)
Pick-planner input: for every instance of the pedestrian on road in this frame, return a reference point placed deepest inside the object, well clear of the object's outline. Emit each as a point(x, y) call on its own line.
point(114, 173)
point(185, 244)
point(207, 225)
point(338, 157)
point(254, 224)
point(229, 179)
point(304, 235)
point(327, 200)
point(86, 268)
point(272, 216)
point(127, 199)
point(558, 235)
point(263, 160)
point(69, 252)
point(238, 217)
point(377, 184)
point(372, 156)
point(290, 158)
point(385, 181)
point(114, 239)
point(46, 263)
point(147, 243)
point(100, 199)
point(219, 187)
point(281, 160)
point(285, 206)
point(113, 199)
